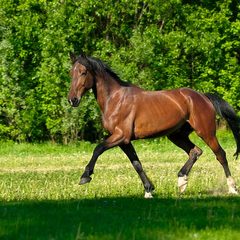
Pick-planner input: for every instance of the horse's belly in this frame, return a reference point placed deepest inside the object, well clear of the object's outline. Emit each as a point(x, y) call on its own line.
point(157, 124)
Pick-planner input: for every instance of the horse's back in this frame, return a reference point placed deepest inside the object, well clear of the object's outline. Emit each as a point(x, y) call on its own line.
point(162, 112)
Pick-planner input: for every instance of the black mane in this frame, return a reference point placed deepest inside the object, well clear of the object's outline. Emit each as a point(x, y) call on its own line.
point(96, 66)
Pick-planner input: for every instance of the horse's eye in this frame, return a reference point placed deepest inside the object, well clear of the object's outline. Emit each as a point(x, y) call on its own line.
point(83, 73)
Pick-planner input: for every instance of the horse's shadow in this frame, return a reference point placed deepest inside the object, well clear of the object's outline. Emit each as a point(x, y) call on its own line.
point(112, 218)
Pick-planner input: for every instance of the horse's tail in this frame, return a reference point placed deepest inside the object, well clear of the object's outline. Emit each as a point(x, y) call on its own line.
point(226, 111)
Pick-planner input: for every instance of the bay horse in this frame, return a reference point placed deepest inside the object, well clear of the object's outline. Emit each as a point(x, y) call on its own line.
point(130, 113)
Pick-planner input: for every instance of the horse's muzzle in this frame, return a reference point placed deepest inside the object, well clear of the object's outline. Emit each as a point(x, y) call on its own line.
point(74, 102)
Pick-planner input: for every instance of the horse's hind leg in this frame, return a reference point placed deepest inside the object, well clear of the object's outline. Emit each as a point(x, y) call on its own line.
point(202, 118)
point(207, 132)
point(129, 150)
point(182, 140)
point(213, 143)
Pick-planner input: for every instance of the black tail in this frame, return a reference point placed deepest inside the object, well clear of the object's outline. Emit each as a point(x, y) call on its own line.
point(226, 111)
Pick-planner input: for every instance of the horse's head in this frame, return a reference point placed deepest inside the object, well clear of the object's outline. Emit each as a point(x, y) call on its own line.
point(82, 80)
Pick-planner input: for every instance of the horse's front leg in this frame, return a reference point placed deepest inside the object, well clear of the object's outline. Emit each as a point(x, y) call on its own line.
point(114, 140)
point(85, 178)
point(129, 150)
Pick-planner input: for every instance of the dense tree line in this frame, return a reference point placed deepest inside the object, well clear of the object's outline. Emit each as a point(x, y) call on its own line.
point(156, 44)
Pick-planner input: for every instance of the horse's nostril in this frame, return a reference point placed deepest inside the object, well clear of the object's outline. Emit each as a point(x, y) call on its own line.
point(74, 101)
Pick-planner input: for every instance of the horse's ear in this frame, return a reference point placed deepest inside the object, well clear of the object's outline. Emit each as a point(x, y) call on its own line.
point(73, 57)
point(83, 55)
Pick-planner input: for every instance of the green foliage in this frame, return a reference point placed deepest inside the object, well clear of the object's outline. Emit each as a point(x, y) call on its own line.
point(154, 44)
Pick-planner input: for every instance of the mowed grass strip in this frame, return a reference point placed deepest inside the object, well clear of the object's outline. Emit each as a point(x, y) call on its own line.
point(40, 197)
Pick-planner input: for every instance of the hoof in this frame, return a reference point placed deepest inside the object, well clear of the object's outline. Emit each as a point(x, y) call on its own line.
point(148, 195)
point(182, 183)
point(232, 189)
point(84, 180)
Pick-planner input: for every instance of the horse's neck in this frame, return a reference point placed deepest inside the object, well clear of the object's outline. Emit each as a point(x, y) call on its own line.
point(105, 88)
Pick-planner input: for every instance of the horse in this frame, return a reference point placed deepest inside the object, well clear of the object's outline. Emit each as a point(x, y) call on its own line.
point(129, 113)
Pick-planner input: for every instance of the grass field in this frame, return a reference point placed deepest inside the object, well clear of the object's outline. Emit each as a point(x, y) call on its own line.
point(40, 197)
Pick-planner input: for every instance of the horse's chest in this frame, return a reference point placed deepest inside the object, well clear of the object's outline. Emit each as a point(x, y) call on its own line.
point(115, 116)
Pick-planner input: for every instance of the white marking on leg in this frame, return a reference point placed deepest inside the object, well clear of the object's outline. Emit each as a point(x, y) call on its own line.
point(232, 189)
point(148, 195)
point(182, 183)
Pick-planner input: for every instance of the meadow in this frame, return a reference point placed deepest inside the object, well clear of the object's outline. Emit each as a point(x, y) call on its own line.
point(40, 197)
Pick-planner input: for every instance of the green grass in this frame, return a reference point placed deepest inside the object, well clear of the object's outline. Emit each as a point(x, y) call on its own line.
point(40, 197)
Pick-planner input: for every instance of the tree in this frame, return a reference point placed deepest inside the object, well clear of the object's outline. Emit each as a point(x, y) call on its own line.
point(154, 44)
